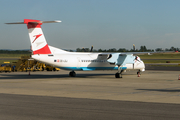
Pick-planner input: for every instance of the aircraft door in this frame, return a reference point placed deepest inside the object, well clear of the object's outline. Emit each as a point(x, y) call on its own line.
point(78, 62)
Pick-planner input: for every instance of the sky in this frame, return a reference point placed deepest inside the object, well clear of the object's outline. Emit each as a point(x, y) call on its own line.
point(104, 24)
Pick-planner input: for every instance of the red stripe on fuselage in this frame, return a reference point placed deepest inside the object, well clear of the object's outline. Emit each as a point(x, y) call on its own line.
point(44, 50)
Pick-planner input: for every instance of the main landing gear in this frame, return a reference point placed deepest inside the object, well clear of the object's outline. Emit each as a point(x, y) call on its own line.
point(72, 74)
point(119, 74)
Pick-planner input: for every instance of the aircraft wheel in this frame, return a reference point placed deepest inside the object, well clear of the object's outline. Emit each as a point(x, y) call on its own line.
point(138, 73)
point(117, 75)
point(72, 74)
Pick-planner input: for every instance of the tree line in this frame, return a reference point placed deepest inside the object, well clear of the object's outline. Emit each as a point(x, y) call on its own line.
point(15, 51)
point(141, 49)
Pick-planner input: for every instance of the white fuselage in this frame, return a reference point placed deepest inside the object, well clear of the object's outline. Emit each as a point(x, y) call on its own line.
point(84, 61)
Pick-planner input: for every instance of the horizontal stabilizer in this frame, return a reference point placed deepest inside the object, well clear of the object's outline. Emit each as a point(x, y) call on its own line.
point(34, 21)
point(16, 23)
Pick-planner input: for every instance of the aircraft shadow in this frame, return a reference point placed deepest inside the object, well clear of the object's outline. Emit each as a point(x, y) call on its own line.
point(161, 90)
point(43, 76)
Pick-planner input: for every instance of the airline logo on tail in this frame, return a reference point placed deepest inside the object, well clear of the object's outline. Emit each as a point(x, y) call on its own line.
point(36, 37)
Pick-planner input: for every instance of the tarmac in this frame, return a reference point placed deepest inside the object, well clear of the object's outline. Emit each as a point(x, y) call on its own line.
point(90, 95)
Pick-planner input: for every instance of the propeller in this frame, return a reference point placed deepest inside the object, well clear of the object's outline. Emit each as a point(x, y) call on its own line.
point(91, 49)
point(136, 58)
point(134, 47)
point(83, 49)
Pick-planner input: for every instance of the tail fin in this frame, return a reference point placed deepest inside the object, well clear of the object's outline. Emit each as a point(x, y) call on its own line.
point(37, 39)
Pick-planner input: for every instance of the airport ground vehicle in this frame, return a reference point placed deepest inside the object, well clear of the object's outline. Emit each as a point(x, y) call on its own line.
point(26, 64)
point(5, 68)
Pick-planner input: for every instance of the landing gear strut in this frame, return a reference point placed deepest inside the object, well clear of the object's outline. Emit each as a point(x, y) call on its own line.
point(72, 74)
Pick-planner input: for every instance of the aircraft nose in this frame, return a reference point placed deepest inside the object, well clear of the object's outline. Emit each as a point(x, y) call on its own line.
point(143, 66)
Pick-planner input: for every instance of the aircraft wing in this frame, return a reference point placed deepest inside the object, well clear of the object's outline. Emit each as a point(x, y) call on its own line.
point(125, 57)
point(149, 53)
point(137, 53)
point(119, 58)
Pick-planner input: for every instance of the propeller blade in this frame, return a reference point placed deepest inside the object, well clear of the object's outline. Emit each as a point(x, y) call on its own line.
point(91, 49)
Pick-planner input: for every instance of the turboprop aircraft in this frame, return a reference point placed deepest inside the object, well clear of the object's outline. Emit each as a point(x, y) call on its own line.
point(77, 61)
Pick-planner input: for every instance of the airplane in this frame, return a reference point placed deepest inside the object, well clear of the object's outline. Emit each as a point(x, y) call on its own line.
point(77, 61)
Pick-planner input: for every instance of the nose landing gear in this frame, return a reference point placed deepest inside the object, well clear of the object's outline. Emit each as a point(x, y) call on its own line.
point(138, 73)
